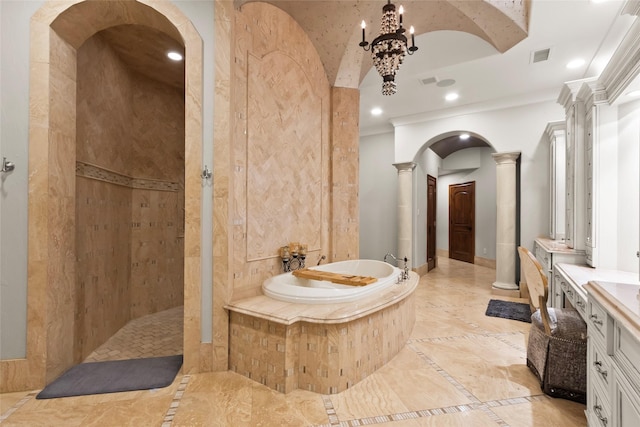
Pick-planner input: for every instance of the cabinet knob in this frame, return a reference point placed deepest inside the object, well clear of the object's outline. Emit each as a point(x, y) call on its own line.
point(598, 365)
point(598, 411)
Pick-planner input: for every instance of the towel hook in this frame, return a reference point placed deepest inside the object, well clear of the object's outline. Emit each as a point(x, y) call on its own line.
point(206, 173)
point(7, 166)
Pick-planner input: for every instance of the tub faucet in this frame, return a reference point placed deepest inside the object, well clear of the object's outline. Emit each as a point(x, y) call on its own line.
point(392, 256)
point(322, 258)
point(405, 273)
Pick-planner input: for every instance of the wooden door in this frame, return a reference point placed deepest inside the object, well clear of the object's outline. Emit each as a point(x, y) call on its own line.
point(462, 209)
point(431, 223)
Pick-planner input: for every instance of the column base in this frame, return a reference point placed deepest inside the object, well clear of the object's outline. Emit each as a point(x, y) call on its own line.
point(505, 289)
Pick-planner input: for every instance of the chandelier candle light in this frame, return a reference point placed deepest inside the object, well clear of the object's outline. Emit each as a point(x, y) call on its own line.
point(390, 47)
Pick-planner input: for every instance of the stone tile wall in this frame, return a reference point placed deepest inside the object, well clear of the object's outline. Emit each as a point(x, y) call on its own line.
point(323, 358)
point(129, 197)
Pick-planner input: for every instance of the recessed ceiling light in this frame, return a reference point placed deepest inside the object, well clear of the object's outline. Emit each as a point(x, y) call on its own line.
point(634, 93)
point(451, 96)
point(175, 56)
point(376, 111)
point(576, 63)
point(464, 136)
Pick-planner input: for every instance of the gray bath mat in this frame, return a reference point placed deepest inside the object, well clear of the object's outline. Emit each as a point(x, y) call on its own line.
point(114, 376)
point(509, 310)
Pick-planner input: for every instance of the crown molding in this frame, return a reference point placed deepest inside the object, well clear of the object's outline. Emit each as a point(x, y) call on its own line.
point(569, 92)
point(632, 7)
point(554, 128)
point(624, 65)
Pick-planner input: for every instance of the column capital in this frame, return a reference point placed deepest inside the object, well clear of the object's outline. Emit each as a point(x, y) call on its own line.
point(407, 166)
point(506, 158)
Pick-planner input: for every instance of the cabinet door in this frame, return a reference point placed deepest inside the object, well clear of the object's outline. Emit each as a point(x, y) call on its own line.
point(570, 179)
point(589, 160)
point(627, 411)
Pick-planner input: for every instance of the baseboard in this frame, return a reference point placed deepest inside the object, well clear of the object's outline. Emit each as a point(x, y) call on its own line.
point(421, 270)
point(442, 252)
point(515, 293)
point(485, 262)
point(482, 262)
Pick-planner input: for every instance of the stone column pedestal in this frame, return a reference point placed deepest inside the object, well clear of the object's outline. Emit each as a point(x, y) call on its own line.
point(506, 250)
point(405, 219)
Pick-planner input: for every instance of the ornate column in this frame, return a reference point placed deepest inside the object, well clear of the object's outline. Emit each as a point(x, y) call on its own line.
point(506, 221)
point(405, 219)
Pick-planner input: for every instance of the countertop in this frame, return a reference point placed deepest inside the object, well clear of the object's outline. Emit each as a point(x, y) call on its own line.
point(622, 300)
point(557, 246)
point(582, 274)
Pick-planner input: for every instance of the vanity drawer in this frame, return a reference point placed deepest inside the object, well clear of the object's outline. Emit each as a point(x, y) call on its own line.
point(563, 287)
point(599, 324)
point(598, 408)
point(544, 258)
point(571, 295)
point(599, 369)
point(556, 292)
point(580, 304)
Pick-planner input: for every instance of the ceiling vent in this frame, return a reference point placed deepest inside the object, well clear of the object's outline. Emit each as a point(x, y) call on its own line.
point(540, 55)
point(427, 81)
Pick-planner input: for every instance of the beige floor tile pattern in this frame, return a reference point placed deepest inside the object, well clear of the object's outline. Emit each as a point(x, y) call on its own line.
point(460, 368)
point(154, 335)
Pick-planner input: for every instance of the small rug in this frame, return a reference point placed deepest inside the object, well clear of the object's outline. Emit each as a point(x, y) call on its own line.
point(509, 310)
point(114, 376)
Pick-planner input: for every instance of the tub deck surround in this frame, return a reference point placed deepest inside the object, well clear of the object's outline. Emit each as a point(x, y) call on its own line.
point(288, 313)
point(324, 348)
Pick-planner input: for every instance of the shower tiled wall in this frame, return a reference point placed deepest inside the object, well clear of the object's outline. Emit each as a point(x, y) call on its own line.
point(130, 197)
point(57, 32)
point(156, 251)
point(103, 212)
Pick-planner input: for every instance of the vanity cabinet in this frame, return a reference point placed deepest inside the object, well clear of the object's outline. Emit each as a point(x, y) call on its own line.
point(613, 358)
point(549, 253)
point(574, 177)
point(556, 135)
point(601, 184)
point(589, 166)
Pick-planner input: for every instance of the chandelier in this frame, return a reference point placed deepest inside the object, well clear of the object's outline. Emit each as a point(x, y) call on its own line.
point(390, 47)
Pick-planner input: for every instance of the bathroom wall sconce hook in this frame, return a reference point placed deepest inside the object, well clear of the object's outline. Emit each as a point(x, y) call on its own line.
point(7, 166)
point(206, 173)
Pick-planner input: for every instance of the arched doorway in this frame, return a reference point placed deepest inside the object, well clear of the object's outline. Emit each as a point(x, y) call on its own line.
point(129, 187)
point(58, 30)
point(446, 160)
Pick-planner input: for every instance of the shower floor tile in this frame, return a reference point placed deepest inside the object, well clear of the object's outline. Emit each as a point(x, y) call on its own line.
point(155, 335)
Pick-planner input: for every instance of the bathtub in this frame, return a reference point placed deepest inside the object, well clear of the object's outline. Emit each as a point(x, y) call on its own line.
point(287, 287)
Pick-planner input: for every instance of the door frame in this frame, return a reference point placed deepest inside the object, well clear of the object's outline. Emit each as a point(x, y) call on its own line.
point(472, 248)
point(431, 222)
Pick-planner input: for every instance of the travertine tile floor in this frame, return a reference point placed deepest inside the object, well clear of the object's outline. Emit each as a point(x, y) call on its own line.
point(460, 368)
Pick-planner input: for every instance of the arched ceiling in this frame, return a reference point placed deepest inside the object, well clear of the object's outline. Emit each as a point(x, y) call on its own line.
point(334, 26)
point(450, 144)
